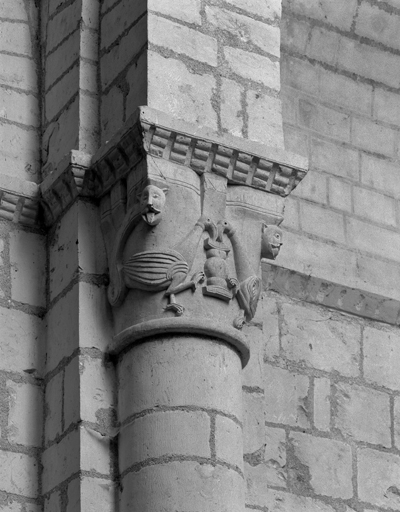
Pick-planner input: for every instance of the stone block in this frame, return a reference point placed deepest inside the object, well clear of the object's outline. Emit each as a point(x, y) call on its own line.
point(396, 421)
point(211, 375)
point(322, 222)
point(267, 466)
point(119, 19)
point(248, 30)
point(369, 62)
point(295, 35)
point(231, 107)
point(25, 402)
point(228, 441)
point(64, 247)
point(16, 38)
point(64, 135)
point(264, 114)
point(322, 403)
point(323, 45)
point(263, 337)
point(296, 140)
point(321, 465)
point(20, 151)
point(360, 234)
point(170, 79)
point(91, 494)
point(254, 67)
point(317, 258)
point(339, 15)
point(60, 461)
point(186, 10)
point(340, 195)
point(136, 78)
point(112, 113)
point(345, 92)
point(63, 328)
point(120, 56)
point(324, 120)
point(28, 267)
point(19, 107)
point(373, 137)
point(71, 393)
point(183, 40)
point(314, 188)
point(270, 10)
point(14, 11)
point(386, 106)
point(382, 357)
point(95, 320)
point(362, 414)
point(52, 503)
point(18, 474)
point(253, 422)
point(91, 250)
point(94, 452)
point(309, 336)
point(53, 407)
point(286, 397)
point(277, 501)
point(155, 436)
point(62, 25)
point(377, 24)
point(290, 106)
point(299, 74)
point(374, 206)
point(61, 94)
point(379, 276)
point(22, 341)
point(335, 159)
point(378, 478)
point(18, 72)
point(62, 59)
point(206, 487)
point(96, 388)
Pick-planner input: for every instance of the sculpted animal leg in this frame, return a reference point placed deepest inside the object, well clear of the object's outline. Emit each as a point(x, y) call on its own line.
point(176, 287)
point(178, 309)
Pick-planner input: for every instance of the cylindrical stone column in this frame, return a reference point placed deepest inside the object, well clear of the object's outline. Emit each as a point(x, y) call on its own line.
point(180, 408)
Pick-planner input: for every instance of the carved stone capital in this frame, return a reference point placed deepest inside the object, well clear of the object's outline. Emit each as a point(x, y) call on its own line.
point(187, 216)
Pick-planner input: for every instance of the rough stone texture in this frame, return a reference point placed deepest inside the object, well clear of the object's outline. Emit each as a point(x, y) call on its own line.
point(157, 487)
point(363, 414)
point(321, 465)
point(286, 396)
point(25, 414)
point(201, 373)
point(322, 403)
point(378, 478)
point(311, 337)
point(28, 271)
point(381, 362)
point(155, 436)
point(18, 474)
point(228, 441)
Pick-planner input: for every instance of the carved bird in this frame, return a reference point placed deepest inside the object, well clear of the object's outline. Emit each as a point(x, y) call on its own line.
point(166, 269)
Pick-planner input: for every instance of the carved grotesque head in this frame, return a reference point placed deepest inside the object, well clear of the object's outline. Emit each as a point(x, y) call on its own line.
point(152, 201)
point(271, 241)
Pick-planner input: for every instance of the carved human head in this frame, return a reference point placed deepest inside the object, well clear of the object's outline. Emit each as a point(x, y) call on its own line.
point(152, 201)
point(271, 241)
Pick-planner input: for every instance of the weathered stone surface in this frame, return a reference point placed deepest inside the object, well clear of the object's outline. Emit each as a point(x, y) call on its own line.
point(18, 474)
point(186, 10)
point(381, 357)
point(156, 436)
point(322, 403)
point(286, 397)
point(156, 487)
point(363, 414)
point(229, 441)
point(320, 465)
point(378, 478)
point(311, 337)
point(25, 417)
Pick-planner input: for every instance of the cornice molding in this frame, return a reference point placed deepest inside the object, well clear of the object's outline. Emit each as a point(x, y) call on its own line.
point(19, 201)
point(156, 134)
